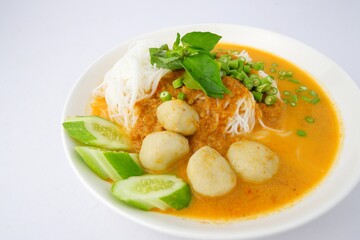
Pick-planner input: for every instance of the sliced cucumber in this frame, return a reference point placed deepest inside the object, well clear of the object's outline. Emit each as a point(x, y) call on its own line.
point(97, 131)
point(153, 191)
point(110, 165)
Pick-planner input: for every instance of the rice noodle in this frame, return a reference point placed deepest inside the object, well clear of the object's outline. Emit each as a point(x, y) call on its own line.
point(226, 104)
point(131, 79)
point(200, 96)
point(243, 120)
point(277, 131)
point(245, 55)
point(261, 134)
point(216, 119)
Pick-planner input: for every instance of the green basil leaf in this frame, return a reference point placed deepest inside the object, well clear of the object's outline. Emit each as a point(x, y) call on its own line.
point(203, 40)
point(191, 83)
point(165, 59)
point(204, 70)
point(194, 50)
point(177, 41)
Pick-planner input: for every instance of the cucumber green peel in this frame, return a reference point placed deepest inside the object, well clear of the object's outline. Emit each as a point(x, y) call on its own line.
point(110, 165)
point(153, 191)
point(97, 131)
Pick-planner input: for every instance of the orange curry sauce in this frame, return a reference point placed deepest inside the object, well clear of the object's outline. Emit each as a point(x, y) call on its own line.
point(304, 161)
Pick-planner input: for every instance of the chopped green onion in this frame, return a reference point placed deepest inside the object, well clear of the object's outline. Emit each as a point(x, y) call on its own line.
point(225, 67)
point(266, 80)
point(286, 93)
point(247, 69)
point(285, 74)
point(301, 133)
point(241, 65)
point(222, 73)
point(181, 96)
point(274, 64)
point(165, 96)
point(270, 100)
point(301, 89)
point(243, 75)
point(178, 83)
point(225, 58)
point(233, 64)
point(281, 77)
point(243, 59)
point(273, 70)
point(272, 91)
point(306, 99)
point(315, 100)
point(293, 80)
point(248, 83)
point(294, 98)
point(253, 76)
point(232, 72)
point(310, 119)
point(257, 96)
point(286, 101)
point(263, 88)
point(235, 74)
point(258, 66)
point(267, 87)
point(293, 104)
point(282, 73)
point(313, 93)
point(256, 82)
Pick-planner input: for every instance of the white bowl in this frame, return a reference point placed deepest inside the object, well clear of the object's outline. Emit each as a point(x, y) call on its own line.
point(342, 179)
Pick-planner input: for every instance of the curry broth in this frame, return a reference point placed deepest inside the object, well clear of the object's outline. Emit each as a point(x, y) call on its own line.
point(304, 161)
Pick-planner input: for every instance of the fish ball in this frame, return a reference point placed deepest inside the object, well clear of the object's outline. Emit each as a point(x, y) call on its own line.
point(178, 116)
point(161, 150)
point(209, 173)
point(252, 161)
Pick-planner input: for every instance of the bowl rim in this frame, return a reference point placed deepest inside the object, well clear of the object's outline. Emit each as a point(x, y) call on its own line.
point(334, 201)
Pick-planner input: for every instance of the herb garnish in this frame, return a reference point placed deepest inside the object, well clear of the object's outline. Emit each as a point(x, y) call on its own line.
point(192, 53)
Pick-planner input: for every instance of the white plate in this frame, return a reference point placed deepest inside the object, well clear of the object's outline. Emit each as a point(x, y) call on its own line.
point(342, 179)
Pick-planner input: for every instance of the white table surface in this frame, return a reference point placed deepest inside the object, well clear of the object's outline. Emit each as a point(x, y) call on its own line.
point(46, 45)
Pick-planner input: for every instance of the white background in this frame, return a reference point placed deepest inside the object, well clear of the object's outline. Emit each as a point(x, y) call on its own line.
point(46, 45)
